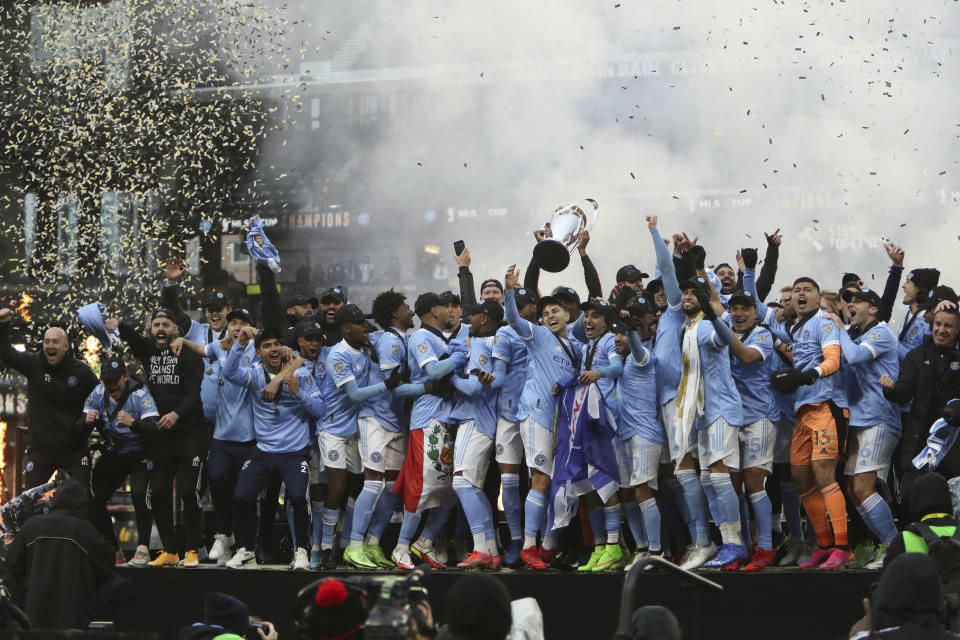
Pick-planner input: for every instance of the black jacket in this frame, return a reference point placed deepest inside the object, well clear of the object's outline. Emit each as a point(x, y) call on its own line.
point(55, 397)
point(174, 381)
point(929, 376)
point(59, 562)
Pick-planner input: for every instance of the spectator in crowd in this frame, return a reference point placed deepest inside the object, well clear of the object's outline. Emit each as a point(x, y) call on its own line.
point(226, 618)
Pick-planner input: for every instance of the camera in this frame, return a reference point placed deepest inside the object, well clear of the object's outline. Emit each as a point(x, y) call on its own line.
point(390, 604)
point(28, 504)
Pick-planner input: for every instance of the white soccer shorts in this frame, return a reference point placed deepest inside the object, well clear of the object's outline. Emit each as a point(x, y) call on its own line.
point(757, 443)
point(870, 449)
point(471, 453)
point(509, 442)
point(538, 446)
point(341, 452)
point(719, 442)
point(639, 461)
point(381, 450)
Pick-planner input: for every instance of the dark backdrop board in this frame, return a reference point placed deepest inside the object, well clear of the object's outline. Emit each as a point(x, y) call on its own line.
point(785, 603)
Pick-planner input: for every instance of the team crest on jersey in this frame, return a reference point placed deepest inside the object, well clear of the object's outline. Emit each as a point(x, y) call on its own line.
point(309, 381)
point(338, 367)
point(208, 371)
point(395, 349)
point(806, 335)
point(540, 460)
point(761, 339)
point(828, 328)
point(376, 457)
point(333, 455)
point(29, 467)
point(147, 403)
point(873, 337)
point(499, 449)
point(72, 381)
point(245, 362)
point(914, 332)
point(483, 359)
point(422, 347)
point(954, 366)
point(322, 368)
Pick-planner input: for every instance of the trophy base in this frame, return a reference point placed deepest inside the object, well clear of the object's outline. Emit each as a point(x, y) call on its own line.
point(551, 255)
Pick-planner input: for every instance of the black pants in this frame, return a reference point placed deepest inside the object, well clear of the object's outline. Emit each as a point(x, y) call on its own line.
point(109, 473)
point(223, 467)
point(257, 472)
point(178, 457)
point(41, 465)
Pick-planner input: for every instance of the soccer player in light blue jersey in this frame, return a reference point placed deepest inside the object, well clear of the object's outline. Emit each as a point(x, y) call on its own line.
point(551, 357)
point(282, 430)
point(347, 385)
point(871, 350)
point(752, 360)
point(601, 364)
point(510, 373)
point(919, 284)
point(475, 437)
point(382, 432)
point(425, 479)
point(233, 436)
point(708, 417)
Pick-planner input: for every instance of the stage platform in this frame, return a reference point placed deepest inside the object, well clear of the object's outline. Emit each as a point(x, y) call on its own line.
point(780, 603)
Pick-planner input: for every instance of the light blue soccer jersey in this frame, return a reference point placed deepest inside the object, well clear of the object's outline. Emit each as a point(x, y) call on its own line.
point(810, 338)
point(720, 396)
point(549, 360)
point(426, 345)
point(234, 421)
point(637, 398)
point(666, 348)
point(599, 353)
point(912, 333)
point(512, 350)
point(870, 356)
point(281, 425)
point(485, 402)
point(392, 353)
point(139, 404)
point(203, 335)
point(753, 380)
point(344, 363)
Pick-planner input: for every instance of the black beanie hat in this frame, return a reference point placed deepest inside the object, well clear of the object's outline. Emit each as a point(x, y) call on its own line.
point(909, 594)
point(655, 622)
point(930, 493)
point(226, 611)
point(478, 608)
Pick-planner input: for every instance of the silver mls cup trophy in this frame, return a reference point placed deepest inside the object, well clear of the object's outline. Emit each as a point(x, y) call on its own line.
point(568, 221)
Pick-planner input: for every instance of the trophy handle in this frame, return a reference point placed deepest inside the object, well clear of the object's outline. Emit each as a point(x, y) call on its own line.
point(590, 221)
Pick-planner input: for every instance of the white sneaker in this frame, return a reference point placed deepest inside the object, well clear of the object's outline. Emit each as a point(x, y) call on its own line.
point(699, 556)
point(794, 552)
point(301, 560)
point(222, 544)
point(640, 555)
point(141, 557)
point(402, 559)
point(242, 558)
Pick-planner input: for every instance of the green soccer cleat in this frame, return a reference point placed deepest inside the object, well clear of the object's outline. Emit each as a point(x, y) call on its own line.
point(877, 562)
point(863, 554)
point(357, 558)
point(594, 557)
point(610, 560)
point(376, 555)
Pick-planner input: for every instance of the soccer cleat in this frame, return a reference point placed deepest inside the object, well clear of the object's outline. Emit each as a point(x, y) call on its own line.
point(402, 559)
point(817, 558)
point(838, 558)
point(728, 555)
point(120, 558)
point(637, 557)
point(497, 562)
point(477, 560)
point(425, 550)
point(610, 560)
point(190, 559)
point(141, 557)
point(512, 559)
point(222, 543)
point(357, 558)
point(548, 556)
point(792, 556)
point(315, 559)
point(698, 556)
point(877, 563)
point(594, 558)
point(760, 560)
point(531, 557)
point(808, 549)
point(863, 554)
point(328, 559)
point(301, 561)
point(375, 553)
point(165, 560)
point(241, 559)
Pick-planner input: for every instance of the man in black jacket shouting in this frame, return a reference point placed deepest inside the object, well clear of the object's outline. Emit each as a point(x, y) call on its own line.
point(930, 377)
point(57, 385)
point(180, 447)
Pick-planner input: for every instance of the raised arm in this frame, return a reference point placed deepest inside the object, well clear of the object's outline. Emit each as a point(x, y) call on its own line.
point(523, 327)
point(232, 370)
point(890, 290)
point(665, 263)
point(139, 343)
point(767, 315)
point(768, 272)
point(590, 275)
point(468, 292)
point(20, 361)
point(270, 307)
point(170, 295)
point(639, 353)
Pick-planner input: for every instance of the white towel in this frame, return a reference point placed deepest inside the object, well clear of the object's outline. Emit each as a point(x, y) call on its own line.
point(690, 394)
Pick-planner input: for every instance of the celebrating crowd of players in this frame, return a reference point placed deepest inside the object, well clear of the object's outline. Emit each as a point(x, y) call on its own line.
point(723, 408)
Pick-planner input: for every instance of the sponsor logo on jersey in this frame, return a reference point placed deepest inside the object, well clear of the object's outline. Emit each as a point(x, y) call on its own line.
point(395, 349)
point(338, 367)
point(147, 403)
point(828, 328)
point(761, 339)
point(873, 337)
point(422, 347)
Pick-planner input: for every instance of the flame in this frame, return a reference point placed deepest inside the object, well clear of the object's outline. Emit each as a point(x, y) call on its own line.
point(91, 352)
point(24, 307)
